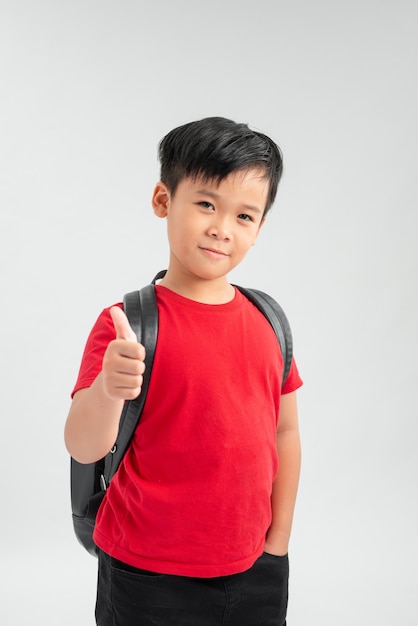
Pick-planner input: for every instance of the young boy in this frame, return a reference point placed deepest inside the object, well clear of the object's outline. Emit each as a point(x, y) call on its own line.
point(195, 525)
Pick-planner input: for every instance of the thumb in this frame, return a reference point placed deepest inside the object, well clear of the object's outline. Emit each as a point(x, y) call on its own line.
point(121, 324)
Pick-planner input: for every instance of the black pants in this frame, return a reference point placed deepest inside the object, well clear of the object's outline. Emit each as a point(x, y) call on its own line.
point(130, 597)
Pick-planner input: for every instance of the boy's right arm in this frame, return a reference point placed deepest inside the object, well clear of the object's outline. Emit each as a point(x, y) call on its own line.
point(93, 420)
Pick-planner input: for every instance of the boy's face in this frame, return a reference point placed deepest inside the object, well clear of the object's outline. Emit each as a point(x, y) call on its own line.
point(212, 226)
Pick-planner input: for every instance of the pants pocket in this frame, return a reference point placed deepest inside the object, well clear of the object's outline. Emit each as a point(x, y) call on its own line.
point(274, 557)
point(120, 566)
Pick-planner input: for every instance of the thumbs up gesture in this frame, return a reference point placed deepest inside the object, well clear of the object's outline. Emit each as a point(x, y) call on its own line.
point(123, 362)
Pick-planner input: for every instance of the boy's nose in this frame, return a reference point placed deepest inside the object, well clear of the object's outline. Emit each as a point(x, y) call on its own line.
point(220, 229)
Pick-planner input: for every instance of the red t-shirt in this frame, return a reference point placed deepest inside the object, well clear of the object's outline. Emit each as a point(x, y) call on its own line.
point(192, 494)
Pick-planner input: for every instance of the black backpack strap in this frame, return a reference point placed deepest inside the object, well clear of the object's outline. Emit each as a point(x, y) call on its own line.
point(278, 320)
point(141, 310)
point(158, 276)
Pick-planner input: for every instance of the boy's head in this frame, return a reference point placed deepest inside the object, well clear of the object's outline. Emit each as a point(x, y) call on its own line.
point(213, 148)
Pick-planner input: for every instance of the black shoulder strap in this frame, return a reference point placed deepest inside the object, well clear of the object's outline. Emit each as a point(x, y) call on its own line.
point(139, 306)
point(278, 320)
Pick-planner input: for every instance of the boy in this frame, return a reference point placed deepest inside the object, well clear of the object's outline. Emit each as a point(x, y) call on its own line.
point(194, 528)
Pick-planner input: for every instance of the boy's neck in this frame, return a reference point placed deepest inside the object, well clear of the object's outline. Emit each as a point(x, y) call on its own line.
point(217, 291)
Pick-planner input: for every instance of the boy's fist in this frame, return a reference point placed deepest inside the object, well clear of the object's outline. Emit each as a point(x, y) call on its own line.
point(123, 362)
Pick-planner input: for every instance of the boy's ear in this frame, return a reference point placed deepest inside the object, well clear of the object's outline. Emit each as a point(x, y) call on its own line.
point(160, 199)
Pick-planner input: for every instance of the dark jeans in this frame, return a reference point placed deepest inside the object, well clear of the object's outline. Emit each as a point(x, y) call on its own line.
point(131, 597)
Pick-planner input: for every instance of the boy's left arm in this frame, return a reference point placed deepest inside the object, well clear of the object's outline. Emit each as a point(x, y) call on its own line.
point(286, 484)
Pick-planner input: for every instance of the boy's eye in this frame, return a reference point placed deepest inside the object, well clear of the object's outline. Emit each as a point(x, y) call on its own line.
point(206, 205)
point(245, 217)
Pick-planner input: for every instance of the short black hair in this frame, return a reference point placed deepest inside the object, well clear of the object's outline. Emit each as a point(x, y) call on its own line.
point(214, 147)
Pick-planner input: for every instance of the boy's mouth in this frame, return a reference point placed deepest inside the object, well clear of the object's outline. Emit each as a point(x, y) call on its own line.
point(214, 252)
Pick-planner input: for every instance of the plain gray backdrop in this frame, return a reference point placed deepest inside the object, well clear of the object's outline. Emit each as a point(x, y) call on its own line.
point(88, 88)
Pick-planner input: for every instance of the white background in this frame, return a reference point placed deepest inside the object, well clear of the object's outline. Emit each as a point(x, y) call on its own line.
point(88, 88)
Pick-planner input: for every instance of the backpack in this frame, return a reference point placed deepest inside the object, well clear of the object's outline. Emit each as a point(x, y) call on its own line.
point(89, 481)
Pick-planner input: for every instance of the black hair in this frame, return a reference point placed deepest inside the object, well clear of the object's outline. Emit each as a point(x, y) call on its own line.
point(213, 148)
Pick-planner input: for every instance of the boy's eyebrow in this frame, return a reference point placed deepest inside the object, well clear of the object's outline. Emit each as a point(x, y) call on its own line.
point(215, 196)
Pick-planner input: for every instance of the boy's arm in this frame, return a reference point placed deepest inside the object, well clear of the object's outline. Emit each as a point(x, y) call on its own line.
point(286, 484)
point(93, 420)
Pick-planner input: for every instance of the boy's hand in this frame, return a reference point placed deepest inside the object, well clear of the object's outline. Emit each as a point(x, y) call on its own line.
point(279, 546)
point(123, 362)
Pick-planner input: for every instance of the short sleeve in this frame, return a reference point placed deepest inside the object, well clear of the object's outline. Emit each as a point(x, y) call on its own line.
point(293, 380)
point(100, 335)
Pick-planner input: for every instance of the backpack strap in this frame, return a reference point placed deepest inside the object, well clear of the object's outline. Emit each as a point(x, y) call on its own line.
point(278, 321)
point(139, 306)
